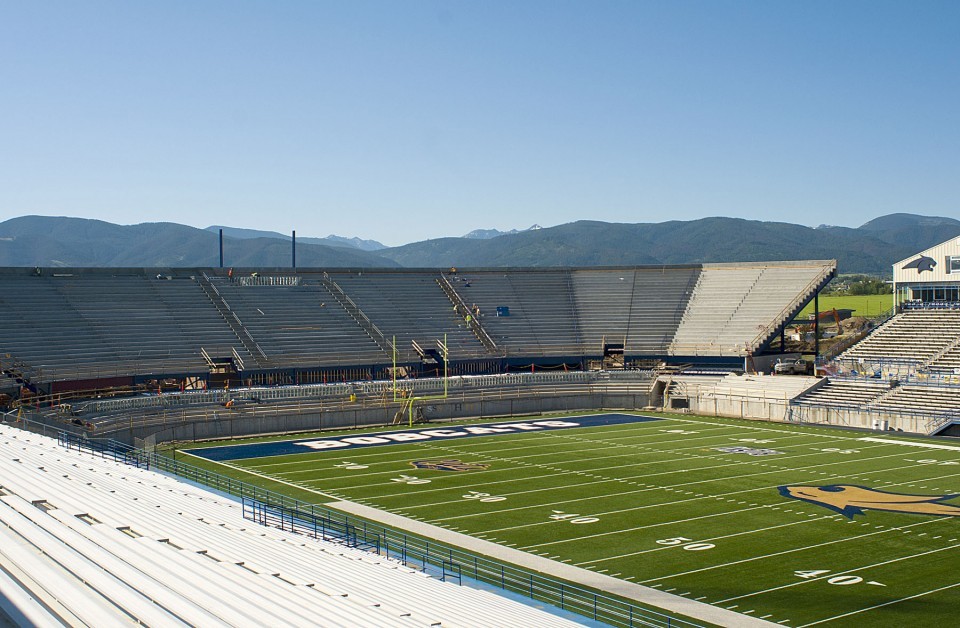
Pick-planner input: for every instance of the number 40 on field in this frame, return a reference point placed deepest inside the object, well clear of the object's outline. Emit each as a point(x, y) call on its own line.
point(841, 580)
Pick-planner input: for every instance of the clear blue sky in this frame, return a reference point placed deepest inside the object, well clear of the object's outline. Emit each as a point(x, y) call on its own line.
point(402, 121)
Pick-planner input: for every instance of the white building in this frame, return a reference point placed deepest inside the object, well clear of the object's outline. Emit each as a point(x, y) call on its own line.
point(931, 277)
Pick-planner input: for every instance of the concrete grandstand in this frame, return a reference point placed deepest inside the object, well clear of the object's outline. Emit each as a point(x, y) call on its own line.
point(198, 336)
point(74, 328)
point(148, 356)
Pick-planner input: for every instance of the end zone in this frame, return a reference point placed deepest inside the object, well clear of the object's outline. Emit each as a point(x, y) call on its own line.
point(393, 437)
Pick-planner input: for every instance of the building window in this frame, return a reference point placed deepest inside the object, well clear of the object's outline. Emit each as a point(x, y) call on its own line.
point(935, 294)
point(954, 265)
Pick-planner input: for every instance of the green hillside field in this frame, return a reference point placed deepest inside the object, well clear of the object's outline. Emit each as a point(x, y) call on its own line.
point(868, 305)
point(798, 525)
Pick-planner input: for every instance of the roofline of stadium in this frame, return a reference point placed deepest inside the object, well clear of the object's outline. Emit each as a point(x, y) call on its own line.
point(65, 270)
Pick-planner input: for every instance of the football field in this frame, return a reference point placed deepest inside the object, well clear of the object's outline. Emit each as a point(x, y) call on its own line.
point(797, 525)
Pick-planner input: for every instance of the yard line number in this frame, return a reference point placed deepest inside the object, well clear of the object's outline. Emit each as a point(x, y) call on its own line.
point(351, 465)
point(484, 497)
point(559, 515)
point(840, 581)
point(409, 479)
point(687, 544)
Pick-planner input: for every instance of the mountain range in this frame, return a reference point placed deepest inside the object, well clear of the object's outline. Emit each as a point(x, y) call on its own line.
point(330, 240)
point(486, 234)
point(871, 248)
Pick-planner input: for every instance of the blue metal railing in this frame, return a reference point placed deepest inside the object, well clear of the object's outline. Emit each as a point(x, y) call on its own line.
point(445, 562)
point(105, 448)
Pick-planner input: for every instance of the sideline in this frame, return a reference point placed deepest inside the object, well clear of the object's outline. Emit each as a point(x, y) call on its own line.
point(639, 593)
point(891, 441)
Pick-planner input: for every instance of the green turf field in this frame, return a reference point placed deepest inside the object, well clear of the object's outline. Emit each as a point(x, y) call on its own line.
point(863, 305)
point(660, 504)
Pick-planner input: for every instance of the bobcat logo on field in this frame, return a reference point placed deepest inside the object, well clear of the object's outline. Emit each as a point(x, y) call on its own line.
point(449, 465)
point(853, 500)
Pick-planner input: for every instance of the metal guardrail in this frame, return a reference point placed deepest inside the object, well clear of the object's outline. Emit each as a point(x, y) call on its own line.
point(326, 391)
point(448, 563)
point(105, 448)
point(787, 312)
point(452, 564)
point(357, 314)
point(470, 317)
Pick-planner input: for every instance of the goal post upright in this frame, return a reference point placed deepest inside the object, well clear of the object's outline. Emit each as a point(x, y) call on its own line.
point(414, 399)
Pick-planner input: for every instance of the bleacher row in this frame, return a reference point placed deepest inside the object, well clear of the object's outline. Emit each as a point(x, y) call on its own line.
point(84, 323)
point(88, 541)
point(884, 396)
point(928, 339)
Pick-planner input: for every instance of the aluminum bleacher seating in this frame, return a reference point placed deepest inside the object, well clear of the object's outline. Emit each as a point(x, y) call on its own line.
point(410, 306)
point(640, 307)
point(78, 326)
point(914, 336)
point(95, 542)
point(844, 393)
point(300, 325)
point(949, 360)
point(735, 307)
point(540, 318)
point(98, 323)
point(920, 399)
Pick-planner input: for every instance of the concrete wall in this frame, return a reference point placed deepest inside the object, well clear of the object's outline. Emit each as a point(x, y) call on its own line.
point(782, 411)
point(881, 421)
point(438, 410)
point(740, 408)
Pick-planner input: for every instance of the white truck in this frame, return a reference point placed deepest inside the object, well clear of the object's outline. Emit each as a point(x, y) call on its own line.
point(790, 367)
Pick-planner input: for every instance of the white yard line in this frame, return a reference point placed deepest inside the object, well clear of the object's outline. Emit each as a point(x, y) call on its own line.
point(264, 476)
point(783, 552)
point(845, 571)
point(885, 485)
point(410, 450)
point(710, 497)
point(620, 587)
point(875, 606)
point(713, 538)
point(890, 441)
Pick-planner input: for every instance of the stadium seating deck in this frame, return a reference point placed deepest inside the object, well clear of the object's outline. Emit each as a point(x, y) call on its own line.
point(844, 393)
point(913, 336)
point(88, 323)
point(921, 400)
point(542, 312)
point(410, 306)
point(573, 312)
point(100, 543)
point(949, 360)
point(101, 325)
point(300, 325)
point(735, 307)
point(750, 387)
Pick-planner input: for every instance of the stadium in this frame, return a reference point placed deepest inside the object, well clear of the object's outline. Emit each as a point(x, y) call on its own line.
point(476, 446)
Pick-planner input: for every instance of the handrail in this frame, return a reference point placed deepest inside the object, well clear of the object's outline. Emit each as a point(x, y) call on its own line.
point(472, 321)
point(237, 359)
point(333, 390)
point(233, 321)
point(784, 313)
point(354, 310)
point(269, 507)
